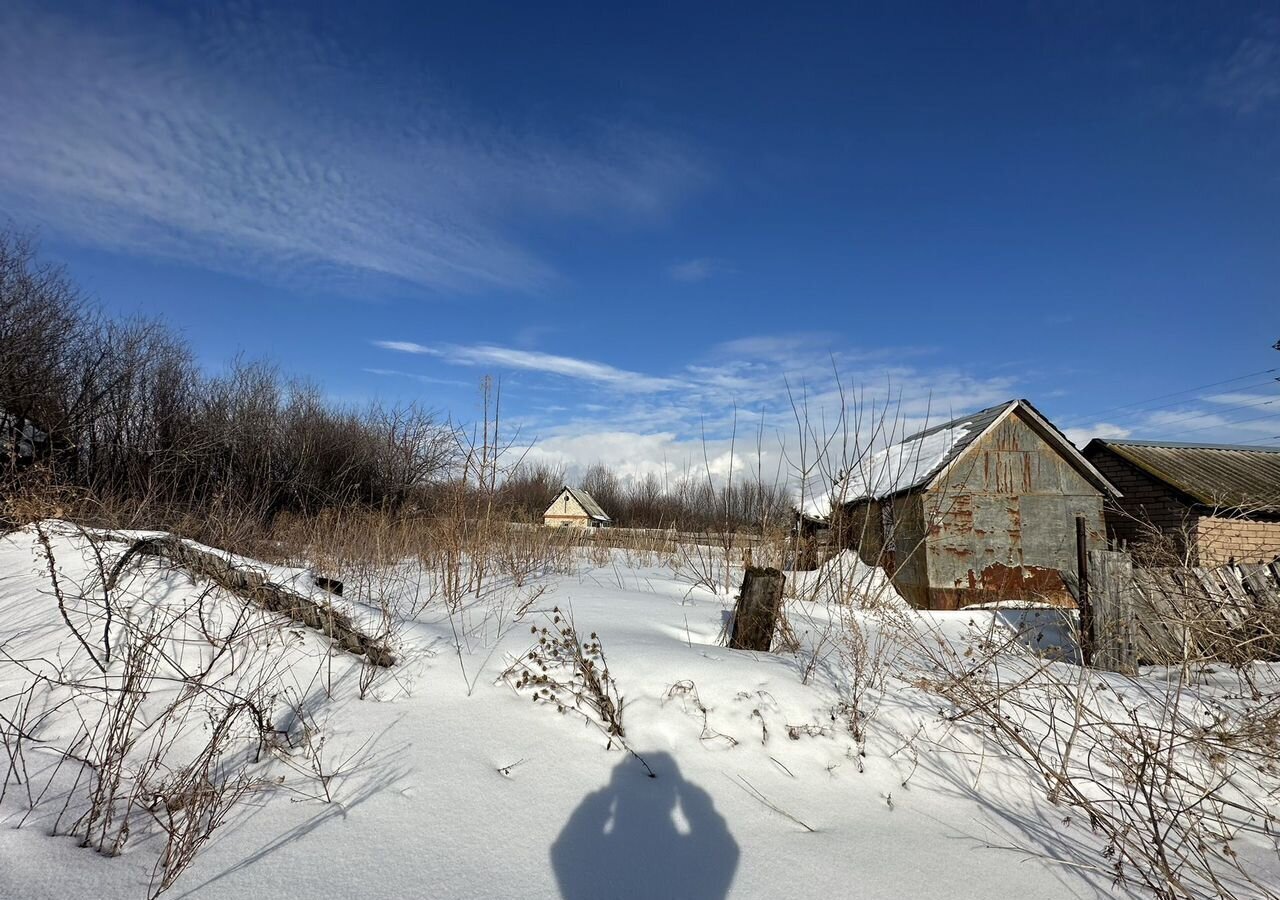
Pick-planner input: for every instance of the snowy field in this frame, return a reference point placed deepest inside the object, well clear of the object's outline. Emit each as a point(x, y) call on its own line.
point(440, 777)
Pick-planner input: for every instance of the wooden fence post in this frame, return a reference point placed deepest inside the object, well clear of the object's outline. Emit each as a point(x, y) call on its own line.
point(1086, 607)
point(759, 603)
point(1113, 611)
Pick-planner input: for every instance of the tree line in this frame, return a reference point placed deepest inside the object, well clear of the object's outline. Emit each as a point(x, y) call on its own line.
point(687, 503)
point(120, 410)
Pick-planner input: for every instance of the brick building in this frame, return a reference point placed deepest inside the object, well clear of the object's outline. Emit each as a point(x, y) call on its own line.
point(1209, 503)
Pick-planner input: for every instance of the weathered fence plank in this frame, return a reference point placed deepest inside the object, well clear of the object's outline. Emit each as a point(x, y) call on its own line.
point(1111, 593)
point(1158, 640)
point(1164, 616)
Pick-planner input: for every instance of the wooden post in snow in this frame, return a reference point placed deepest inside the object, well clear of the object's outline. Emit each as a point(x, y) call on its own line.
point(1086, 607)
point(759, 603)
point(1114, 614)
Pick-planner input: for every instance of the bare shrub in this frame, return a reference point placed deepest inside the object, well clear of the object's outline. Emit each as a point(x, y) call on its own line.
point(572, 676)
point(1167, 775)
point(167, 743)
point(121, 411)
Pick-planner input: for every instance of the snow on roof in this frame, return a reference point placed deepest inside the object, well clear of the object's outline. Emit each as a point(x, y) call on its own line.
point(917, 460)
point(909, 463)
point(901, 466)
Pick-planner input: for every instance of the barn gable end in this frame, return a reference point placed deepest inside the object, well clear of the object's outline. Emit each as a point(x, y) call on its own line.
point(1001, 521)
point(992, 519)
point(575, 507)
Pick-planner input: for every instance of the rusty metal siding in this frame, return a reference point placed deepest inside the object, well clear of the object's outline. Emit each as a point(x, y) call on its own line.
point(1001, 524)
point(910, 539)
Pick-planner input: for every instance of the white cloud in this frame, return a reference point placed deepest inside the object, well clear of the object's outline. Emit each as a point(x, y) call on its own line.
point(699, 269)
point(1083, 434)
point(1249, 80)
point(424, 379)
point(245, 142)
point(1222, 418)
point(732, 407)
point(635, 455)
point(536, 361)
point(406, 347)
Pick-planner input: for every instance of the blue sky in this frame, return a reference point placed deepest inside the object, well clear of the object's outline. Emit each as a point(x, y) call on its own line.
point(648, 221)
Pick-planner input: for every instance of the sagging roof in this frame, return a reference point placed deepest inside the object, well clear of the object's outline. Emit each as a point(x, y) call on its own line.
point(1228, 476)
point(919, 460)
point(587, 502)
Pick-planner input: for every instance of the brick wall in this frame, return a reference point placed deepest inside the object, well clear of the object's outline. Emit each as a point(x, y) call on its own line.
point(1219, 540)
point(1146, 501)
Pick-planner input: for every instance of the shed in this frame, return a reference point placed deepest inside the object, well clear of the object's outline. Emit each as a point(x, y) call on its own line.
point(978, 509)
point(574, 507)
point(1208, 504)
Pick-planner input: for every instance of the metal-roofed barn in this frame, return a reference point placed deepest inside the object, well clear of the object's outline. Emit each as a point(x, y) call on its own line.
point(574, 507)
point(1210, 503)
point(978, 509)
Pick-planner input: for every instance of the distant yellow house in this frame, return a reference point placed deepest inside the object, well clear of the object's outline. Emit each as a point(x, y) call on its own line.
point(574, 507)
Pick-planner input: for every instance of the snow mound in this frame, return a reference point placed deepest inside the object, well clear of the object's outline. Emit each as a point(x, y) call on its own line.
point(845, 578)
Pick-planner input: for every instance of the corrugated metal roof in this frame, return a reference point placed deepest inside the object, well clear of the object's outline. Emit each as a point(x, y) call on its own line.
point(974, 426)
point(1222, 475)
point(587, 502)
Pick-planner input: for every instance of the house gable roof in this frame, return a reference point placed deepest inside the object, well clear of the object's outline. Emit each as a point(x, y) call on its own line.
point(921, 460)
point(1229, 476)
point(583, 499)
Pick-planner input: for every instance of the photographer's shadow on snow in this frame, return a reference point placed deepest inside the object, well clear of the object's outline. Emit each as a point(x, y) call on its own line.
point(645, 837)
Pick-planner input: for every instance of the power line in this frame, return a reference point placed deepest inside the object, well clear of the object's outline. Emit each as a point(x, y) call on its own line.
point(1182, 402)
point(1266, 401)
point(1086, 416)
point(1264, 440)
point(1225, 424)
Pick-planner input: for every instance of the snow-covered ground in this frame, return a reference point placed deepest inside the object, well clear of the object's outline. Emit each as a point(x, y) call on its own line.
point(446, 781)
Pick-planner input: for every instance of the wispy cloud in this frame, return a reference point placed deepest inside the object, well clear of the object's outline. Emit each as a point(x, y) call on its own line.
point(245, 141)
point(731, 406)
point(1246, 416)
point(535, 361)
point(1083, 434)
point(700, 269)
point(424, 379)
point(1248, 81)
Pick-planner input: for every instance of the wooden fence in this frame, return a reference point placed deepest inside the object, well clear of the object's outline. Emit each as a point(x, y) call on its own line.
point(1165, 616)
point(659, 539)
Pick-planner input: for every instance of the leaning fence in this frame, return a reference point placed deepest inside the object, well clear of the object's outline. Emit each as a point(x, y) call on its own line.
point(1169, 616)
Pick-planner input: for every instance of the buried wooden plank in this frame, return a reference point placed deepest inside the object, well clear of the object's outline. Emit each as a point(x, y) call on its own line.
point(251, 584)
